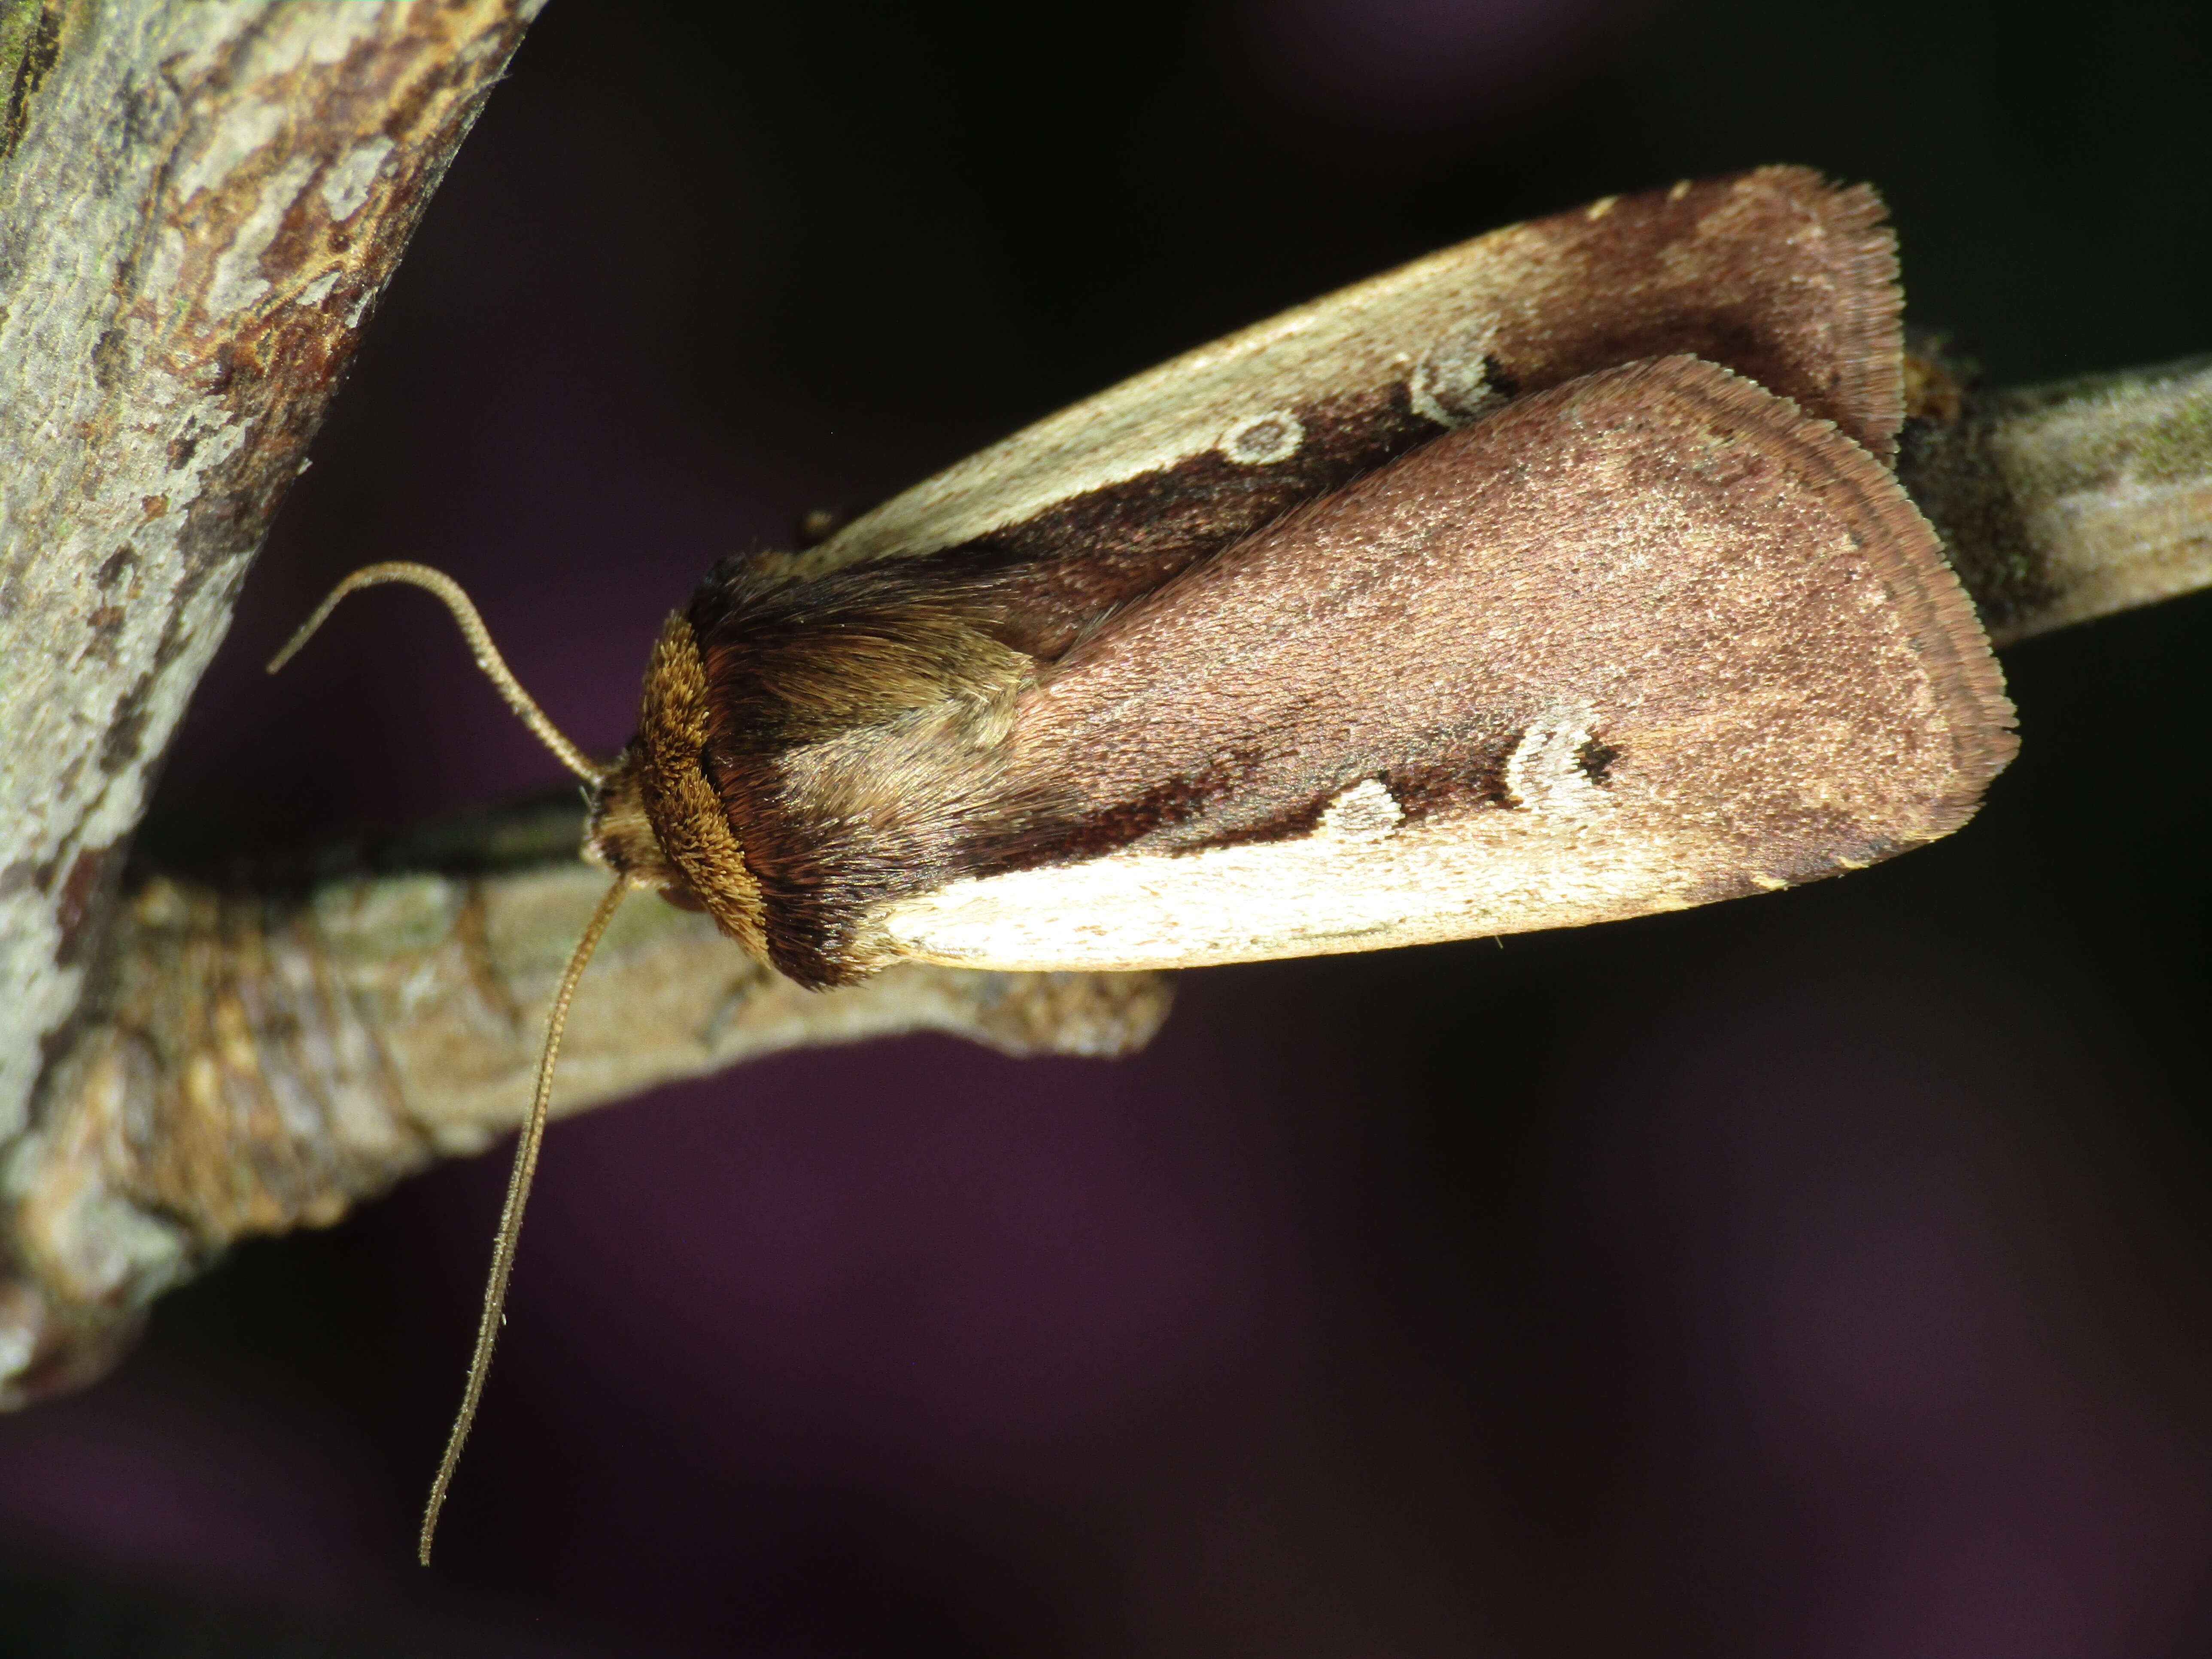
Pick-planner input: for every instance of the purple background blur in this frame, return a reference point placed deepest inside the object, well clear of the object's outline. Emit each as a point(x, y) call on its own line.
point(1820, 1275)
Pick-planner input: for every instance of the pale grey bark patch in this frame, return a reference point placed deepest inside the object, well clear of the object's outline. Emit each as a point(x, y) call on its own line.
point(182, 294)
point(198, 204)
point(2064, 502)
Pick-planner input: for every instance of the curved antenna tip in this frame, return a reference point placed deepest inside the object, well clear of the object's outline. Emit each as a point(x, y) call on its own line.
point(473, 630)
point(510, 1217)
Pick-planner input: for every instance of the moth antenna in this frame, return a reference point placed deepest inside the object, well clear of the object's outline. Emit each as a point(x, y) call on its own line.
point(510, 1217)
point(480, 646)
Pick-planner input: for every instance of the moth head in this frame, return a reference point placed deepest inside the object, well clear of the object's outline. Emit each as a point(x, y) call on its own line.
point(655, 822)
point(657, 818)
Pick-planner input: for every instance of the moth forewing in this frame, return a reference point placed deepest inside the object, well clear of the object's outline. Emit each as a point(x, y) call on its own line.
point(1648, 639)
point(1774, 273)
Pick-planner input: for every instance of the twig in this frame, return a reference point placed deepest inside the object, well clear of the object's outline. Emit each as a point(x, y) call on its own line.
point(198, 206)
point(263, 1061)
point(2061, 503)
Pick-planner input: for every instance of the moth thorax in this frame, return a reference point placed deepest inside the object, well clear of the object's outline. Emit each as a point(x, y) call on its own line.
point(657, 816)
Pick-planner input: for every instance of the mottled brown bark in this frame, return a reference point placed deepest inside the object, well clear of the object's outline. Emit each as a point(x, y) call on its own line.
point(198, 206)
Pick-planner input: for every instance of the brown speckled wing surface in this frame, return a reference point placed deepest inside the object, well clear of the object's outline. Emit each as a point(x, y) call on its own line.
point(1221, 670)
point(1773, 273)
point(1647, 640)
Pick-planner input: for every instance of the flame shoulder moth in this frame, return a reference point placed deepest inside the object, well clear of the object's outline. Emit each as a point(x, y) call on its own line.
point(1556, 578)
point(1552, 579)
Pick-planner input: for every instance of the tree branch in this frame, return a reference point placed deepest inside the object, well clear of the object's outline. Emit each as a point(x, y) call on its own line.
point(261, 1060)
point(199, 206)
point(2065, 502)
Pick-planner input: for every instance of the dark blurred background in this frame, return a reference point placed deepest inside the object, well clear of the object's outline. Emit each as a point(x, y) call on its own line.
point(1818, 1275)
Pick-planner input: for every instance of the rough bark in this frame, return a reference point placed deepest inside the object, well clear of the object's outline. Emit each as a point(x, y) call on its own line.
point(200, 201)
point(199, 206)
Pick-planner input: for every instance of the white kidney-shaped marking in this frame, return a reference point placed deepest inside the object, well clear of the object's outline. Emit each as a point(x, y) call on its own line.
point(1366, 811)
point(1263, 440)
point(1450, 384)
point(1545, 772)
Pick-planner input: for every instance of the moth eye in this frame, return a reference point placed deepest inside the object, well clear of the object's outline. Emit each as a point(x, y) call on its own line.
point(1262, 439)
point(1457, 380)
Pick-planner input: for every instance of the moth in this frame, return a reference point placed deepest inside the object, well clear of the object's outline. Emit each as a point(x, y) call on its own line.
point(1556, 578)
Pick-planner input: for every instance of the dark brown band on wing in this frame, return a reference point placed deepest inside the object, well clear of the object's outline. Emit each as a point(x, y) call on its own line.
point(1066, 570)
point(1775, 274)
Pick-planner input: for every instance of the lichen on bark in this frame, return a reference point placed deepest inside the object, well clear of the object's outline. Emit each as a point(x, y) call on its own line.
point(236, 182)
point(200, 207)
point(2064, 502)
point(263, 1058)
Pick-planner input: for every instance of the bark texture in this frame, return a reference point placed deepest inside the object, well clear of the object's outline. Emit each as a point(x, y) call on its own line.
point(2064, 502)
point(199, 203)
point(199, 206)
point(254, 1061)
